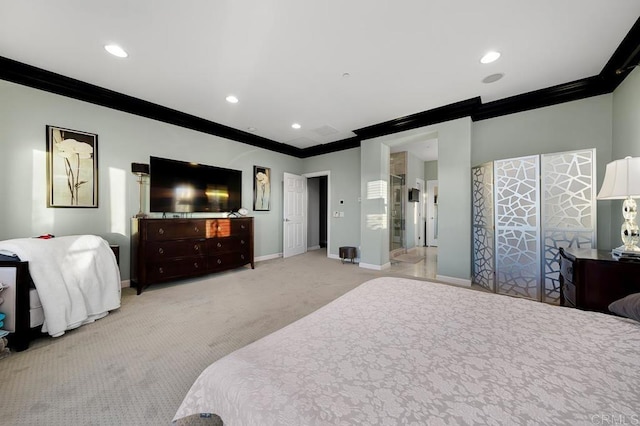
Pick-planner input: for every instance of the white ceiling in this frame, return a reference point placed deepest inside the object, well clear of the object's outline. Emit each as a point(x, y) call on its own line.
point(285, 59)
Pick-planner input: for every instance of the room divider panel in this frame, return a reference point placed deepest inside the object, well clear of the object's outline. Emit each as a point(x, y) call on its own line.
point(523, 210)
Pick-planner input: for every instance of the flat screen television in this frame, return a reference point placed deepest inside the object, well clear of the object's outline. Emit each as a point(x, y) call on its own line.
point(182, 187)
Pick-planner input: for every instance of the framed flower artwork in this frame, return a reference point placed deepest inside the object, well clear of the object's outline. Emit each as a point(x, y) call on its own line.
point(72, 168)
point(261, 188)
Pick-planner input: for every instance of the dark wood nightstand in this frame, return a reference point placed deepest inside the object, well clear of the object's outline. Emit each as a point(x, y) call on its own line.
point(592, 279)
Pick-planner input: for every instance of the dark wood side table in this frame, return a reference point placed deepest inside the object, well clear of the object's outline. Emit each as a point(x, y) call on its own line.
point(591, 279)
point(347, 253)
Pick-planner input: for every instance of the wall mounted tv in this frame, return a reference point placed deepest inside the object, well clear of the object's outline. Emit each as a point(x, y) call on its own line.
point(181, 187)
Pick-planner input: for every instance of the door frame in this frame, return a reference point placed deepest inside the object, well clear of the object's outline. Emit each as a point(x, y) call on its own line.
point(326, 173)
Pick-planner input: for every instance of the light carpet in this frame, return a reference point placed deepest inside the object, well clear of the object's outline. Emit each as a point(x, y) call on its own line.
point(135, 366)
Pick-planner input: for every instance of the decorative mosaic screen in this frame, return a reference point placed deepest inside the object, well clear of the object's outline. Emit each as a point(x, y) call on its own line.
point(568, 211)
point(482, 225)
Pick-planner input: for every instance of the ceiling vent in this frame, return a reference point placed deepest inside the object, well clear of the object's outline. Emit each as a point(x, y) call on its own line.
point(326, 130)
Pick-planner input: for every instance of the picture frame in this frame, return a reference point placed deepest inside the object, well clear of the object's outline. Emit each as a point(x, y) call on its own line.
point(261, 188)
point(72, 168)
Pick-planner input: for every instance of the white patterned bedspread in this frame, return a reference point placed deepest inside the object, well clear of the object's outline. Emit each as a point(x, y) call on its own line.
point(398, 351)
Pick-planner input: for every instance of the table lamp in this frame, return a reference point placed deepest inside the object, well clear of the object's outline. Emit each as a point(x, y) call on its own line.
point(622, 182)
point(141, 170)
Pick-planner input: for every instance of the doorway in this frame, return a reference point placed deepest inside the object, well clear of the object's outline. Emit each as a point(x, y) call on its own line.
point(432, 213)
point(396, 235)
point(317, 213)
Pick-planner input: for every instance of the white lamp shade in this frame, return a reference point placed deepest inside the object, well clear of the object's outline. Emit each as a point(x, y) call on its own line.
point(621, 180)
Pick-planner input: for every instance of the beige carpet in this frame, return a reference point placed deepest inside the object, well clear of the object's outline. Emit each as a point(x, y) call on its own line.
point(134, 366)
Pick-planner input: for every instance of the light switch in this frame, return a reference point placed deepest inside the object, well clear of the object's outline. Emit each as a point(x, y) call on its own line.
point(336, 214)
point(341, 214)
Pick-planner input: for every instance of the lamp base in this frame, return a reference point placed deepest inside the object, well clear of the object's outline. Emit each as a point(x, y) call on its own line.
point(632, 252)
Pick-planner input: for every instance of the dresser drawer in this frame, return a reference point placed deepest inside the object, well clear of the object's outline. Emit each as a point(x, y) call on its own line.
point(228, 260)
point(222, 228)
point(160, 250)
point(162, 271)
point(220, 245)
point(566, 269)
point(175, 229)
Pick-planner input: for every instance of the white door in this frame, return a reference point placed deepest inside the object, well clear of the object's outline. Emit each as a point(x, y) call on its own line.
point(432, 212)
point(420, 214)
point(295, 214)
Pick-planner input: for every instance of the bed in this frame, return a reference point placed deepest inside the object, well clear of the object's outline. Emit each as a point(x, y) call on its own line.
point(400, 351)
point(56, 284)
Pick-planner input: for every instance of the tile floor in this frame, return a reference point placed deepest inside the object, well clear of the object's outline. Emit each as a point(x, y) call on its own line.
point(426, 268)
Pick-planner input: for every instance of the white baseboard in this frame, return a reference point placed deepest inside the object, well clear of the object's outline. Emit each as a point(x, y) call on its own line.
point(453, 280)
point(314, 248)
point(125, 283)
point(267, 257)
point(376, 267)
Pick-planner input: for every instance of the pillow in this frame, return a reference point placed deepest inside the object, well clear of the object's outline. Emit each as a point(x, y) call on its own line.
point(627, 306)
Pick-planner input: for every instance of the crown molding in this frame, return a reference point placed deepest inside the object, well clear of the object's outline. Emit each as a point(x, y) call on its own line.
point(421, 119)
point(37, 78)
point(621, 63)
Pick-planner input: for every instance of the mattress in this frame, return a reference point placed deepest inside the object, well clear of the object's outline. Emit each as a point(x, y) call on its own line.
point(400, 351)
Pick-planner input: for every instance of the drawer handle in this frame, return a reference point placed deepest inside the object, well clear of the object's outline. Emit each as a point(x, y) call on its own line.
point(160, 270)
point(196, 229)
point(241, 241)
point(161, 250)
point(242, 226)
point(219, 261)
point(196, 247)
point(219, 228)
point(195, 265)
point(219, 245)
point(242, 256)
point(160, 231)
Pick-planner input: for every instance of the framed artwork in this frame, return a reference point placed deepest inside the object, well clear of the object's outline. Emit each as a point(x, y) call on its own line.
point(72, 168)
point(261, 188)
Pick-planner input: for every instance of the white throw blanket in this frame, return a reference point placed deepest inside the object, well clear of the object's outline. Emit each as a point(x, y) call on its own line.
point(77, 278)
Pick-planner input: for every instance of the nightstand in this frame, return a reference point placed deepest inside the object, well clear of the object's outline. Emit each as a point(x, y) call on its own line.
point(591, 279)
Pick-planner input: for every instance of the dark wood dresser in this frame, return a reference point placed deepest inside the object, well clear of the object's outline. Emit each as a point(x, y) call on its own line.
point(592, 279)
point(172, 249)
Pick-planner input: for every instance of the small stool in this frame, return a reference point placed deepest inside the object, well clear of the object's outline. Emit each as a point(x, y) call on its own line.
point(347, 253)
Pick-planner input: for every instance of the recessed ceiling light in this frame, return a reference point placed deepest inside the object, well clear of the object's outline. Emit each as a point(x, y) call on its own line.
point(492, 78)
point(232, 99)
point(346, 75)
point(116, 50)
point(296, 126)
point(251, 129)
point(490, 57)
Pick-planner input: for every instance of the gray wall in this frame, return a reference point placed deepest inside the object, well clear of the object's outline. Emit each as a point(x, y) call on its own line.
point(431, 170)
point(122, 139)
point(565, 127)
point(626, 137)
point(374, 191)
point(344, 184)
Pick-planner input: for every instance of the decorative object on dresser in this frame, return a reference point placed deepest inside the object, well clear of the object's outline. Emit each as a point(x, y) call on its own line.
point(622, 182)
point(171, 249)
point(140, 170)
point(592, 279)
